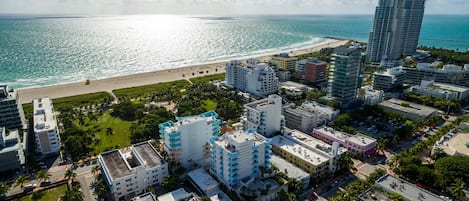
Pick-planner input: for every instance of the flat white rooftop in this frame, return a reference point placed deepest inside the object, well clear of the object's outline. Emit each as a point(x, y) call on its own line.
point(299, 151)
point(176, 195)
point(202, 179)
point(408, 107)
point(311, 142)
point(289, 169)
point(44, 117)
point(409, 191)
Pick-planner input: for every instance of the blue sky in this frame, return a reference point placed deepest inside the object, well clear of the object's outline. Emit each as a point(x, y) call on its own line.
point(214, 7)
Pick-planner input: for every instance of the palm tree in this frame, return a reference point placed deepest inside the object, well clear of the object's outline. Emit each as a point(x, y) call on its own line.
point(457, 189)
point(3, 188)
point(20, 181)
point(95, 170)
point(43, 175)
point(73, 194)
point(133, 127)
point(70, 175)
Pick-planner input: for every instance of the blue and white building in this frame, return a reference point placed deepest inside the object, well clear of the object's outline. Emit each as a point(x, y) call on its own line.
point(236, 157)
point(187, 140)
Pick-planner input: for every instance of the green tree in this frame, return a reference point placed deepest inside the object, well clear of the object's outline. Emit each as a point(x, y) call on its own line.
point(73, 194)
point(3, 188)
point(457, 189)
point(95, 170)
point(109, 132)
point(345, 162)
point(170, 182)
point(449, 169)
point(20, 181)
point(205, 198)
point(43, 175)
point(70, 175)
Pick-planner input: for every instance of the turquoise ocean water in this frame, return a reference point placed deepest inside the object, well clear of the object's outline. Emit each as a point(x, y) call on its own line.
point(38, 51)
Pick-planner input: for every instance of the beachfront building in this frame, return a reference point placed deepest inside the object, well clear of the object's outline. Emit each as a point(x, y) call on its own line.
point(370, 96)
point(11, 150)
point(395, 30)
point(187, 140)
point(409, 110)
point(344, 74)
point(253, 77)
point(449, 74)
point(311, 70)
point(237, 156)
point(358, 143)
point(130, 171)
point(308, 116)
point(46, 132)
point(11, 110)
point(391, 78)
point(441, 90)
point(312, 155)
point(286, 61)
point(265, 116)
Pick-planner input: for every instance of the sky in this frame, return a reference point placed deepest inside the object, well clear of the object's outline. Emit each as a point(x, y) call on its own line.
point(213, 7)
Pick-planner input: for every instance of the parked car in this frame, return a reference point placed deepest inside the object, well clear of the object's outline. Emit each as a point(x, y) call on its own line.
point(45, 183)
point(29, 187)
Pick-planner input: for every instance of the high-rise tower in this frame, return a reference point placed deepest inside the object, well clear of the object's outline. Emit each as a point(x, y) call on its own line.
point(396, 29)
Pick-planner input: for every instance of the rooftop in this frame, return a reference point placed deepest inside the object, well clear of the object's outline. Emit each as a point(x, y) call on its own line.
point(272, 99)
point(239, 136)
point(450, 87)
point(311, 142)
point(44, 117)
point(116, 165)
point(202, 179)
point(145, 197)
point(299, 151)
point(390, 72)
point(408, 107)
point(359, 139)
point(289, 169)
point(148, 154)
point(455, 144)
point(314, 106)
point(176, 195)
point(409, 191)
point(373, 195)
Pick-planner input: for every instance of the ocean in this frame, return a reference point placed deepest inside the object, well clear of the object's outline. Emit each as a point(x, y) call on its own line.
point(38, 51)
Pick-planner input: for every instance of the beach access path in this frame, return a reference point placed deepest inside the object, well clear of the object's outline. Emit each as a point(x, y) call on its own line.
point(108, 84)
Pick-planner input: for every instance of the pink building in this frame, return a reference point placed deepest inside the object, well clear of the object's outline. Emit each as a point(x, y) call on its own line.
point(356, 143)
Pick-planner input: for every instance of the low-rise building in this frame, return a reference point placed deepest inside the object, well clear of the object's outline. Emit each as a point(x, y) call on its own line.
point(130, 171)
point(407, 190)
point(440, 90)
point(187, 140)
point(178, 195)
point(357, 143)
point(449, 74)
point(286, 62)
point(11, 110)
point(391, 78)
point(408, 110)
point(308, 116)
point(265, 115)
point(11, 150)
point(317, 158)
point(311, 70)
point(46, 132)
point(206, 185)
point(145, 197)
point(370, 96)
point(291, 170)
point(453, 143)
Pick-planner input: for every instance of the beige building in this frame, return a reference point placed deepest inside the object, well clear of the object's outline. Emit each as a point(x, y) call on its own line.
point(286, 62)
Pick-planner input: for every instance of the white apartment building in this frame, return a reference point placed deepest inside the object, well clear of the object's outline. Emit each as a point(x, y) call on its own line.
point(253, 77)
point(45, 127)
point(130, 171)
point(187, 140)
point(11, 111)
point(11, 150)
point(441, 90)
point(312, 155)
point(236, 157)
point(308, 116)
point(370, 96)
point(265, 115)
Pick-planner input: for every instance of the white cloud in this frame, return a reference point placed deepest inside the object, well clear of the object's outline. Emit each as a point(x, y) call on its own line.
point(213, 7)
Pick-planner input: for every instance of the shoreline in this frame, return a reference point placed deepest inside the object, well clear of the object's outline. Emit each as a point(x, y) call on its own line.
point(140, 79)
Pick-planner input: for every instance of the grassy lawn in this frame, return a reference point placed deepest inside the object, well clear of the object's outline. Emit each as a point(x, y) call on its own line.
point(52, 194)
point(209, 104)
point(71, 101)
point(120, 129)
point(208, 78)
point(144, 91)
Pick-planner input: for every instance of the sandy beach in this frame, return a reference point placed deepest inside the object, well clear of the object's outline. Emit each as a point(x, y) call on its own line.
point(109, 84)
